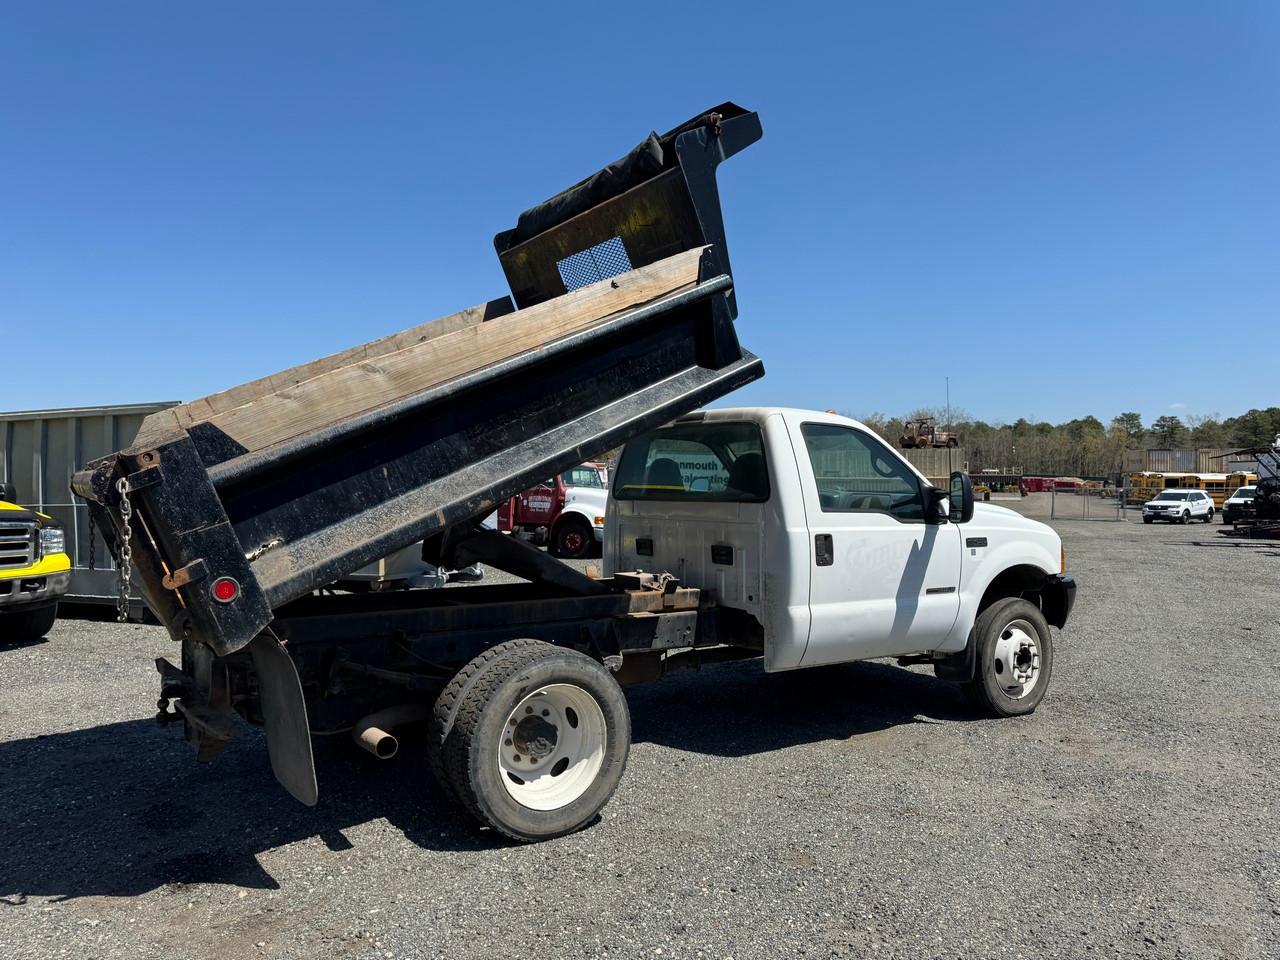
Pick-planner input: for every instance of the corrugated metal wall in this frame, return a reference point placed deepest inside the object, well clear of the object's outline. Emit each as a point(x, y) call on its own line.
point(1186, 460)
point(40, 449)
point(1215, 460)
point(1172, 461)
point(937, 462)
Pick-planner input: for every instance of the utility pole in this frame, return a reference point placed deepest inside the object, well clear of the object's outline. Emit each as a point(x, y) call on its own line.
point(949, 466)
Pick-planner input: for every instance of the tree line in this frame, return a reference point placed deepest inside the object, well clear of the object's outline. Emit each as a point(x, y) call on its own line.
point(1086, 446)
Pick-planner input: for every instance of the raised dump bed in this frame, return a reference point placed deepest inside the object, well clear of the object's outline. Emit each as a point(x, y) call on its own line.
point(620, 319)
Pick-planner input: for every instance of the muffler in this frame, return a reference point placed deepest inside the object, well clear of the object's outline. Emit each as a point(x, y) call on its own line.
point(373, 732)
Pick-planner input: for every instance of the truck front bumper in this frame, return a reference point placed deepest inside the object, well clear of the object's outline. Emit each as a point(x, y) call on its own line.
point(25, 591)
point(1059, 596)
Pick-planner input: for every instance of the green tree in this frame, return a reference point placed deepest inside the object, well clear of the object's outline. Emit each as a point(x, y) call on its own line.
point(1254, 428)
point(1168, 431)
point(1131, 424)
point(1207, 431)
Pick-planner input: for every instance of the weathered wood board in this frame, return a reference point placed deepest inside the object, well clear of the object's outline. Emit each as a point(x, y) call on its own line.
point(314, 395)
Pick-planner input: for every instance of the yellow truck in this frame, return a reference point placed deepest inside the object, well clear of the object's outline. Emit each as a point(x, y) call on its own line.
point(34, 570)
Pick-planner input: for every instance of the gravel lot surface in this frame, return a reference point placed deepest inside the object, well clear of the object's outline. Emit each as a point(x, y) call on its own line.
point(848, 812)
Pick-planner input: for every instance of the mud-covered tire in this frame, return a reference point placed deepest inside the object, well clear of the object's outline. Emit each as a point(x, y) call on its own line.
point(484, 724)
point(446, 706)
point(999, 635)
point(27, 626)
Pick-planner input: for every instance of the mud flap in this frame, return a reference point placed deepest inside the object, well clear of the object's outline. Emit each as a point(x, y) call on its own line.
point(284, 713)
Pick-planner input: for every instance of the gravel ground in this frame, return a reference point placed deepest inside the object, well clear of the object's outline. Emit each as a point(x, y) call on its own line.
point(846, 812)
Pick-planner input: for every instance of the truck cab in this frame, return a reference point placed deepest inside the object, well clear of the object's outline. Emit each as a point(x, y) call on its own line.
point(826, 537)
point(35, 570)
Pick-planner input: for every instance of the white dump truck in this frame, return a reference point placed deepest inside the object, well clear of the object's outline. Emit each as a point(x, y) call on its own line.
point(786, 537)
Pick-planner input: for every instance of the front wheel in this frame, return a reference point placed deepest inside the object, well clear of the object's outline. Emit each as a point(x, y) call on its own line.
point(27, 626)
point(1148, 519)
point(573, 539)
point(1185, 518)
point(1208, 517)
point(538, 742)
point(1014, 659)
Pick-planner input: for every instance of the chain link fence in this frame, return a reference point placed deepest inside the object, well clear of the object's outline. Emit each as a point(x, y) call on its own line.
point(1086, 501)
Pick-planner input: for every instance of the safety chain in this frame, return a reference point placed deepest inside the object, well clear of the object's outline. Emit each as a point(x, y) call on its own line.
point(93, 536)
point(126, 550)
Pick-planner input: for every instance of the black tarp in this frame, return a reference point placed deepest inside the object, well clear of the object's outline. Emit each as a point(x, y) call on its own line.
point(649, 158)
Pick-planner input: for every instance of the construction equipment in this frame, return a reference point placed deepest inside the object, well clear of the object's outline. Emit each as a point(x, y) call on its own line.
point(923, 432)
point(1263, 520)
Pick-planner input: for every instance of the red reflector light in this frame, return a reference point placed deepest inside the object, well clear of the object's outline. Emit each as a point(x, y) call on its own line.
point(225, 589)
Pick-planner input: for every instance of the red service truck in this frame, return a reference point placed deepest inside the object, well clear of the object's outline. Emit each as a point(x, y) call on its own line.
point(565, 513)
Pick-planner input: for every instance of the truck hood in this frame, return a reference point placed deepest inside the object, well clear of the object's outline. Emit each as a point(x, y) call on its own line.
point(587, 499)
point(11, 512)
point(989, 518)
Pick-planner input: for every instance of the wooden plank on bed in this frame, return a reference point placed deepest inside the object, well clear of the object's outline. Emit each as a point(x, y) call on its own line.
point(206, 408)
point(332, 395)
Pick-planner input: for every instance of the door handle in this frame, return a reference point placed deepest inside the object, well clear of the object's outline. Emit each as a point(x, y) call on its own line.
point(824, 553)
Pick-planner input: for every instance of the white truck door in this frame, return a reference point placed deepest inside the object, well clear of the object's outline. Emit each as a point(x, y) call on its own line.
point(882, 581)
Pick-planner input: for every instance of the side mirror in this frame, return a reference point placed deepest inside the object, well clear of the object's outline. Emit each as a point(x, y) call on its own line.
point(934, 498)
point(8, 492)
point(961, 497)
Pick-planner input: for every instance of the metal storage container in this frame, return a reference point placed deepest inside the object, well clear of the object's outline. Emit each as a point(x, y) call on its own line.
point(39, 450)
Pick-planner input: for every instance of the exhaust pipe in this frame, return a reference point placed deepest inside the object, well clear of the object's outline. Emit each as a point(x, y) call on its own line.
point(373, 732)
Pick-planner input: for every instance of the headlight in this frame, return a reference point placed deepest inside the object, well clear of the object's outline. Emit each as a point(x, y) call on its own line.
point(52, 540)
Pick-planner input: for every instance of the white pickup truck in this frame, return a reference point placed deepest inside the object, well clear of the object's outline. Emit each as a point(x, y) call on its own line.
point(840, 550)
point(791, 537)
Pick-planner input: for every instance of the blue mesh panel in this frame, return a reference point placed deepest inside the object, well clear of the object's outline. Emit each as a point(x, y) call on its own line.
point(600, 262)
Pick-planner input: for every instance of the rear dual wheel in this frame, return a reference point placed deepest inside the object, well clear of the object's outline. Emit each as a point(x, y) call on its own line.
point(532, 739)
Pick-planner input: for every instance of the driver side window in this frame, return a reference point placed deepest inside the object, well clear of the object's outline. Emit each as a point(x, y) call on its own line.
point(856, 473)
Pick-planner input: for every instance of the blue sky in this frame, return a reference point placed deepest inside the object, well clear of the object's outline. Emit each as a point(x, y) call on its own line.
point(1067, 208)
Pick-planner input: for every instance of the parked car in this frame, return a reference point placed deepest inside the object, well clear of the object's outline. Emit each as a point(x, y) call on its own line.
point(1238, 506)
point(1178, 506)
point(565, 513)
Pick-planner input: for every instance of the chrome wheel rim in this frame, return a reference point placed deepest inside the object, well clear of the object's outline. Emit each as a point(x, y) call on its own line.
point(552, 746)
point(1016, 660)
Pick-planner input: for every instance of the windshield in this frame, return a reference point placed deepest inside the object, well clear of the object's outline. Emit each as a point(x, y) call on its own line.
point(1243, 493)
point(583, 476)
point(716, 461)
point(1172, 496)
